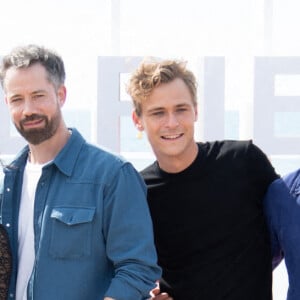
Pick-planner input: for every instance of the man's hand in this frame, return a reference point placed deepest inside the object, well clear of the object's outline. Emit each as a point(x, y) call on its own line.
point(162, 296)
point(157, 295)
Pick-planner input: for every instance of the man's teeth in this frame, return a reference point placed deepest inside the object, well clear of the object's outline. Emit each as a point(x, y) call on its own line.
point(171, 137)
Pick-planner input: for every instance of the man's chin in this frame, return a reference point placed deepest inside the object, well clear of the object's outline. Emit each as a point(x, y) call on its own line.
point(34, 136)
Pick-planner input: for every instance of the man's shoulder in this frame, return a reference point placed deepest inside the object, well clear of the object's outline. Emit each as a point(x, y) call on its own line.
point(96, 155)
point(150, 170)
point(292, 181)
point(288, 183)
point(92, 152)
point(227, 144)
point(221, 148)
point(292, 176)
point(19, 160)
point(92, 158)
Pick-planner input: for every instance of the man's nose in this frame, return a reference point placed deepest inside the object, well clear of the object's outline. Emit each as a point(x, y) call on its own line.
point(28, 107)
point(172, 120)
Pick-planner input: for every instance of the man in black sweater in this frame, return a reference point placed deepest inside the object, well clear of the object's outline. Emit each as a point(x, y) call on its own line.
point(205, 198)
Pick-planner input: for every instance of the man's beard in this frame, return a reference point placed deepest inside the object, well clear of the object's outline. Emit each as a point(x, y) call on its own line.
point(36, 136)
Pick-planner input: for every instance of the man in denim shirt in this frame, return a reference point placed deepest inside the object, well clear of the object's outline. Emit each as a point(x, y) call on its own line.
point(76, 215)
point(282, 209)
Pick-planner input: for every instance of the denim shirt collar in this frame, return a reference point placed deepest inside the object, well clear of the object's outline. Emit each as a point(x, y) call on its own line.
point(293, 182)
point(65, 160)
point(67, 157)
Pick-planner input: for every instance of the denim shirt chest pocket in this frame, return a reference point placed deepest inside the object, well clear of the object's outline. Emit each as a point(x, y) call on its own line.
point(71, 234)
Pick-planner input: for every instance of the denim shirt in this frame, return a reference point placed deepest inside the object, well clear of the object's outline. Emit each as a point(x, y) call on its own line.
point(282, 208)
point(93, 232)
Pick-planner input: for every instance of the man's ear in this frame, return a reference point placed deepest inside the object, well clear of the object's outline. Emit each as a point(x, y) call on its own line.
point(196, 113)
point(62, 95)
point(137, 121)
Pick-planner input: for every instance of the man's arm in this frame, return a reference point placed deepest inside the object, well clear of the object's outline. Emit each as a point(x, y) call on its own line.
point(128, 233)
point(277, 193)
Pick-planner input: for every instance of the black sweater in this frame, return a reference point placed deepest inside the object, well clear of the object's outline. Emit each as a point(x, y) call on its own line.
point(209, 228)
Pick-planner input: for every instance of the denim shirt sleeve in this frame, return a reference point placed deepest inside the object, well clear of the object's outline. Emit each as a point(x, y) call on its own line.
point(276, 191)
point(1, 193)
point(129, 237)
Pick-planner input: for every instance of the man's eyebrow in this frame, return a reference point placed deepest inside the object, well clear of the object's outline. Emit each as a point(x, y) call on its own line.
point(182, 105)
point(38, 91)
point(154, 109)
point(14, 96)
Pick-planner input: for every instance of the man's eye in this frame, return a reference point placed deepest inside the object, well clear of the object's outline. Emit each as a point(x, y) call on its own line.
point(158, 113)
point(15, 100)
point(37, 96)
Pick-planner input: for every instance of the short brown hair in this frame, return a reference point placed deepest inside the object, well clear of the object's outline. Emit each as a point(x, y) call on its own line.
point(26, 56)
point(151, 74)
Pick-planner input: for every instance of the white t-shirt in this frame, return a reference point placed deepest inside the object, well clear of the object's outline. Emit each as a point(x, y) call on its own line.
point(32, 174)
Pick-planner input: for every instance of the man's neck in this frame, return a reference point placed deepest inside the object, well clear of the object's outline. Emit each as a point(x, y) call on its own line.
point(177, 164)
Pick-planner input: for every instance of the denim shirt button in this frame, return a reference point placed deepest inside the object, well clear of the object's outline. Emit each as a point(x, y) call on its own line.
point(7, 225)
point(8, 189)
